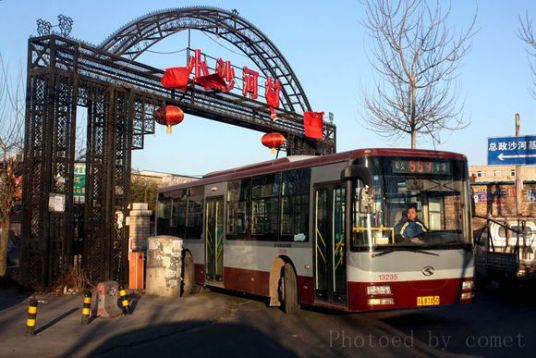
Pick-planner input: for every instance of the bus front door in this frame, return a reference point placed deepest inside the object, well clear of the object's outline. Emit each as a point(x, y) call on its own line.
point(330, 250)
point(214, 239)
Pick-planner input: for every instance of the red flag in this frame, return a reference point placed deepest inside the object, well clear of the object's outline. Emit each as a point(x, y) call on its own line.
point(313, 123)
point(176, 78)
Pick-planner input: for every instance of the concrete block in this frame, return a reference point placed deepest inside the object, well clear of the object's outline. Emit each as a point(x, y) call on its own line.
point(107, 298)
point(164, 263)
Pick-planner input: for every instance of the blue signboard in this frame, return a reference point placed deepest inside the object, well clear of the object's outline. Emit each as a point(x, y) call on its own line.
point(512, 150)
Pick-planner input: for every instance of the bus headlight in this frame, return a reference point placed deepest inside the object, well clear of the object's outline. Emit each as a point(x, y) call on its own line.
point(468, 285)
point(378, 290)
point(380, 301)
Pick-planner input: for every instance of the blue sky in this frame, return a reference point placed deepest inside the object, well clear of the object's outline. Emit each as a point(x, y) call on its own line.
point(326, 46)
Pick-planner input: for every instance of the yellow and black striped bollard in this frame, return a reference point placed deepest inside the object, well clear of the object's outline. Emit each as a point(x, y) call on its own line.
point(124, 301)
point(86, 308)
point(32, 317)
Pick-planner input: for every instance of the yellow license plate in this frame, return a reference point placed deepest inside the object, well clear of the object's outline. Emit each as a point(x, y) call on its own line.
point(428, 301)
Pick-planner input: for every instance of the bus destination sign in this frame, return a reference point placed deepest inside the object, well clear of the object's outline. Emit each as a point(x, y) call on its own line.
point(401, 166)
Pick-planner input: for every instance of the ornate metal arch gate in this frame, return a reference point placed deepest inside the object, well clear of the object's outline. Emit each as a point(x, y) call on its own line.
point(121, 96)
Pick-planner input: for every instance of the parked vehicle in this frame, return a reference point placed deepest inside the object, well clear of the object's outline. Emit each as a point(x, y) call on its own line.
point(505, 249)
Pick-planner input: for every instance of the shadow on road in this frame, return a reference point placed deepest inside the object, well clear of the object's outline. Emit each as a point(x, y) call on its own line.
point(55, 320)
point(518, 293)
point(192, 338)
point(11, 297)
point(500, 322)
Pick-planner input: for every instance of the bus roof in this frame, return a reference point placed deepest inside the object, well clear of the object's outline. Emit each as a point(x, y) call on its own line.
point(305, 161)
point(265, 164)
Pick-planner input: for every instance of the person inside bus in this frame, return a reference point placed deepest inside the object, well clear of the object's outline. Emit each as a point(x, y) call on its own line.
point(410, 227)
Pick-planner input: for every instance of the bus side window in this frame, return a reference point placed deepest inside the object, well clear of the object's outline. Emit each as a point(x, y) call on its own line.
point(163, 214)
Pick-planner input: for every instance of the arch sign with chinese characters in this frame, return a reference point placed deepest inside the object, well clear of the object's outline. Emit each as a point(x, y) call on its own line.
point(123, 98)
point(223, 76)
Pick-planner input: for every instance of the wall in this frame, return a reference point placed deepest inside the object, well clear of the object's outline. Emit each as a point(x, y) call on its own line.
point(500, 199)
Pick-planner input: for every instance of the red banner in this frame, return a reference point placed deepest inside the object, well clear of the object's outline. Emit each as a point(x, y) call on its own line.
point(313, 123)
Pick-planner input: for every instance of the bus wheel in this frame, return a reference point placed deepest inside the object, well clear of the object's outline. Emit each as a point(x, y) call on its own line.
point(288, 290)
point(188, 275)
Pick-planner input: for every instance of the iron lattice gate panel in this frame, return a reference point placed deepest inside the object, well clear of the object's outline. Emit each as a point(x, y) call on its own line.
point(50, 130)
point(107, 183)
point(49, 169)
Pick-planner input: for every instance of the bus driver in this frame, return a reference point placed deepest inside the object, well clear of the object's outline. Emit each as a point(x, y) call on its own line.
point(410, 227)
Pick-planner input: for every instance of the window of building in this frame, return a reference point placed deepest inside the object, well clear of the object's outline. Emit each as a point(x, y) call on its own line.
point(435, 211)
point(512, 172)
point(479, 174)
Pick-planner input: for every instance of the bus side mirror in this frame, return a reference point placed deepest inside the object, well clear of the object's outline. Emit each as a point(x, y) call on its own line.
point(366, 196)
point(352, 172)
point(365, 200)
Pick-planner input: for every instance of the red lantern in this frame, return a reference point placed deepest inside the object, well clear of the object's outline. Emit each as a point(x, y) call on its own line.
point(313, 123)
point(273, 140)
point(176, 78)
point(169, 116)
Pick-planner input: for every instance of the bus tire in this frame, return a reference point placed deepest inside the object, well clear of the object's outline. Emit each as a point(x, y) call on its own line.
point(188, 275)
point(289, 290)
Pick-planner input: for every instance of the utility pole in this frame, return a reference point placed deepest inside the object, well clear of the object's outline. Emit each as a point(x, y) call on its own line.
point(519, 169)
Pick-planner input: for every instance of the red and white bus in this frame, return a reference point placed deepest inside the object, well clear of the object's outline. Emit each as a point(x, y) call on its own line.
point(325, 231)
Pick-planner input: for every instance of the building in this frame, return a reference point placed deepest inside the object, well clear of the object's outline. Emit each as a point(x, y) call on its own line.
point(494, 190)
point(162, 179)
point(145, 184)
point(500, 173)
point(141, 177)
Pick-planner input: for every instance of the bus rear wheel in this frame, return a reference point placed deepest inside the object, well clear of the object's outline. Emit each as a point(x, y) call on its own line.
point(188, 275)
point(288, 290)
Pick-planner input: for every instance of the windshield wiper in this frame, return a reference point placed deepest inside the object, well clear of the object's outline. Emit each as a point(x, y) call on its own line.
point(390, 250)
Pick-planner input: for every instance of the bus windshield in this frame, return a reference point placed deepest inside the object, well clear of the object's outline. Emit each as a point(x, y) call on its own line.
point(418, 202)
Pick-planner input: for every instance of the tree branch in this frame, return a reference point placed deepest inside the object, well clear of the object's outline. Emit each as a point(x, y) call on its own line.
point(416, 57)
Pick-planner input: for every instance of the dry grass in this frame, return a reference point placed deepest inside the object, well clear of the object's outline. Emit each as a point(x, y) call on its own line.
point(73, 281)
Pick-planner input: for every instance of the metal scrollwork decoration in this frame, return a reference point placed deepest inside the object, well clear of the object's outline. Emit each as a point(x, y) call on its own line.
point(65, 25)
point(43, 27)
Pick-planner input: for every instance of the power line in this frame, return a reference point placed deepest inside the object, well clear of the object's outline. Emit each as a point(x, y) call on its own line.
point(225, 47)
point(164, 52)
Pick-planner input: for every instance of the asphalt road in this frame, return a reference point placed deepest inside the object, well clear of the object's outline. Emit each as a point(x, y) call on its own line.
point(499, 323)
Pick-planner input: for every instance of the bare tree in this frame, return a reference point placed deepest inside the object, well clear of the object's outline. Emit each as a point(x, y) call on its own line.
point(526, 33)
point(417, 57)
point(143, 190)
point(11, 143)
